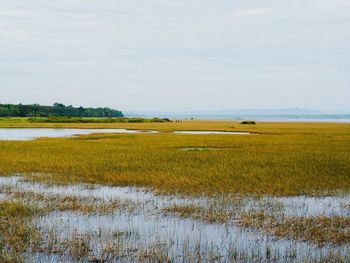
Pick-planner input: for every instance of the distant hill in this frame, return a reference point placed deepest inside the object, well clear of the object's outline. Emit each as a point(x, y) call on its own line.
point(57, 110)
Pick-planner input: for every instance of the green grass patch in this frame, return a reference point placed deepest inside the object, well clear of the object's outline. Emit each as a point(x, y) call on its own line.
point(95, 120)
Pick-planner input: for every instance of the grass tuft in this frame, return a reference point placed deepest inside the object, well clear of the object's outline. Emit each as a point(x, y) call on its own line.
point(319, 229)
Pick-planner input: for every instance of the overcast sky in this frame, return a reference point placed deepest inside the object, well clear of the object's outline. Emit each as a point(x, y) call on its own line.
point(171, 55)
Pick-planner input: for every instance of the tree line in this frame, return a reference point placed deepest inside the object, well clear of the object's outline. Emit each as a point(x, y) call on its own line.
point(57, 110)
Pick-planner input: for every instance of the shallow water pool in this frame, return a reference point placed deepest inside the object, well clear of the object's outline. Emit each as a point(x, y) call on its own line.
point(25, 134)
point(139, 226)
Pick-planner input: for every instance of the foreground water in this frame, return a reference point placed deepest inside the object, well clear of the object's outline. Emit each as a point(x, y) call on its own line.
point(138, 228)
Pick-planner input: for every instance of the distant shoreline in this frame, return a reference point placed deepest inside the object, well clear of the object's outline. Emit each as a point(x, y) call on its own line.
point(333, 118)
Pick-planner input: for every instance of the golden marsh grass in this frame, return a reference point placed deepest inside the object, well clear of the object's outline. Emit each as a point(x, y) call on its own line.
point(280, 159)
point(320, 229)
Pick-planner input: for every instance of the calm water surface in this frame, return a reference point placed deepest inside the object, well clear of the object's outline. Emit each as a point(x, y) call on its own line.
point(24, 134)
point(140, 225)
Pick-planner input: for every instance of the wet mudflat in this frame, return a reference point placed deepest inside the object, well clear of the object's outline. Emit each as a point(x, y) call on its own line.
point(128, 224)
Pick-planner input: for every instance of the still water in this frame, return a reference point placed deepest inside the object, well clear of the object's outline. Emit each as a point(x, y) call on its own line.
point(138, 225)
point(24, 134)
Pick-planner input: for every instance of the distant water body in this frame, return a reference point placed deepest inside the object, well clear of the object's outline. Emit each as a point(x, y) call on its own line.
point(335, 118)
point(273, 119)
point(285, 118)
point(305, 120)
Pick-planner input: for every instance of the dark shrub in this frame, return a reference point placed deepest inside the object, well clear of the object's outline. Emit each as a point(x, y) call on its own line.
point(248, 122)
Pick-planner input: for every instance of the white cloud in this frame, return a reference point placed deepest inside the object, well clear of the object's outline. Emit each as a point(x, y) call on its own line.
point(163, 50)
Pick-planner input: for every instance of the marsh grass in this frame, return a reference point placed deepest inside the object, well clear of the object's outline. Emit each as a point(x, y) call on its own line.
point(78, 247)
point(282, 159)
point(279, 159)
point(16, 235)
point(318, 229)
point(209, 215)
point(56, 202)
